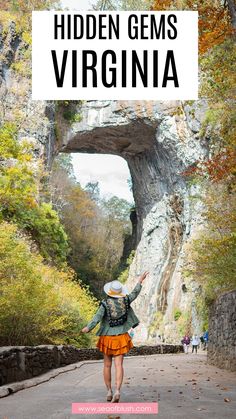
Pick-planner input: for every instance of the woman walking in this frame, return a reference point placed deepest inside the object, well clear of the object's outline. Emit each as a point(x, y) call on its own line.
point(186, 342)
point(116, 317)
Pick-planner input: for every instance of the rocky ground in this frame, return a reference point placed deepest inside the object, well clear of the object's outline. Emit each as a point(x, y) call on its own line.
point(183, 385)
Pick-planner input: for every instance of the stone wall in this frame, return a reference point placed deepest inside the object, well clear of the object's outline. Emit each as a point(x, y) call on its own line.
point(222, 332)
point(24, 362)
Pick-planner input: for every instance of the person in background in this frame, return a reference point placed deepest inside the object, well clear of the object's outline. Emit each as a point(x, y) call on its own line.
point(205, 337)
point(195, 343)
point(202, 342)
point(116, 318)
point(186, 342)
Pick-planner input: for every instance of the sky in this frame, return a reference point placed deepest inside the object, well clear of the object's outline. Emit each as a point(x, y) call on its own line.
point(111, 172)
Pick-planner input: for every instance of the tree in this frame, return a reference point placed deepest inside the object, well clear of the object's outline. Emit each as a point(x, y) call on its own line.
point(19, 196)
point(39, 304)
point(116, 208)
point(95, 227)
point(123, 5)
point(232, 11)
point(214, 19)
point(216, 40)
point(92, 188)
point(21, 6)
point(213, 252)
point(64, 161)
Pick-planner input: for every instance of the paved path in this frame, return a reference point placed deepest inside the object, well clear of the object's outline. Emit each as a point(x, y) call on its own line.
point(183, 385)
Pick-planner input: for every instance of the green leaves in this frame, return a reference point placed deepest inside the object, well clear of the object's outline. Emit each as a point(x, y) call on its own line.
point(213, 252)
point(39, 304)
point(19, 197)
point(96, 227)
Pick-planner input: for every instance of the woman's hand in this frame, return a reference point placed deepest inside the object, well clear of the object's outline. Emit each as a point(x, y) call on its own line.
point(143, 276)
point(85, 330)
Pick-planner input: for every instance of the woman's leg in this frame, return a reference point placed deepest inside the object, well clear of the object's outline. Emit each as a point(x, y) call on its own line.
point(119, 370)
point(107, 370)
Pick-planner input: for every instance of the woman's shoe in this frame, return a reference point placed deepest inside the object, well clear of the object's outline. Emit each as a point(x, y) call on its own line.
point(109, 395)
point(116, 397)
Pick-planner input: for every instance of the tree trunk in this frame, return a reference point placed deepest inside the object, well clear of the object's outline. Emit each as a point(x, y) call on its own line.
point(232, 11)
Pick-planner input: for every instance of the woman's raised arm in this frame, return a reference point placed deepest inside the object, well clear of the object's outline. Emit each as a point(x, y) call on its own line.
point(135, 292)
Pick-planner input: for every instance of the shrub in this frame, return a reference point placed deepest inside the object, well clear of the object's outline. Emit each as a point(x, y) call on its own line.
point(184, 323)
point(19, 192)
point(157, 325)
point(39, 304)
point(43, 223)
point(213, 252)
point(123, 277)
point(177, 314)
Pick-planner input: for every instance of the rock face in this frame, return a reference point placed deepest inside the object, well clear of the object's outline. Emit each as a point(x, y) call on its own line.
point(34, 119)
point(159, 141)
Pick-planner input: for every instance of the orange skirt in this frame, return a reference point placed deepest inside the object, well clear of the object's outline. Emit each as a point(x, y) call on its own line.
point(115, 345)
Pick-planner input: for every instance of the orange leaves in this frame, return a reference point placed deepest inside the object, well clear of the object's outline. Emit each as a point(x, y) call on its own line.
point(221, 167)
point(80, 202)
point(162, 5)
point(214, 19)
point(214, 26)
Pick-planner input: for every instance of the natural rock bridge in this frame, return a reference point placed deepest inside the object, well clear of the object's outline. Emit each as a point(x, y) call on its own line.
point(159, 141)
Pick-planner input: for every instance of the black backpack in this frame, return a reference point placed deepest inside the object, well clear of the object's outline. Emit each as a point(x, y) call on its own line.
point(117, 310)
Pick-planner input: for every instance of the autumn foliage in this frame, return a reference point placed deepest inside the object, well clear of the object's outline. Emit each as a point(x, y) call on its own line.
point(214, 19)
point(221, 167)
point(39, 304)
point(96, 227)
point(21, 6)
point(212, 253)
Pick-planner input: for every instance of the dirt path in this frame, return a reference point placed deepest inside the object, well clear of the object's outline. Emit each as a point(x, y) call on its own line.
point(184, 386)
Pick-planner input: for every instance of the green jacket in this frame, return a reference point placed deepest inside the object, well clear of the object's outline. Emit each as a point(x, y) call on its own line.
point(105, 328)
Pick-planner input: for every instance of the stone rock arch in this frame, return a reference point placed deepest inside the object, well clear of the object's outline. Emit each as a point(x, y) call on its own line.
point(159, 141)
